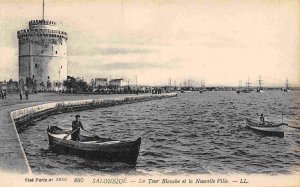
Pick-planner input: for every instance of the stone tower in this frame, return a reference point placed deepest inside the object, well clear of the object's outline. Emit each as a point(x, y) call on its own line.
point(42, 55)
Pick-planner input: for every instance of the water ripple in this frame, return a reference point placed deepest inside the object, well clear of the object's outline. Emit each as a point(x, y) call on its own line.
point(191, 133)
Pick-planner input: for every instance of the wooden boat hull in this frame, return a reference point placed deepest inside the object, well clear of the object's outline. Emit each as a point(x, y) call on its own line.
point(246, 91)
point(94, 148)
point(186, 91)
point(268, 129)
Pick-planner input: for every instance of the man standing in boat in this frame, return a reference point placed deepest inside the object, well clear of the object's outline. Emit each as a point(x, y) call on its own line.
point(262, 119)
point(76, 125)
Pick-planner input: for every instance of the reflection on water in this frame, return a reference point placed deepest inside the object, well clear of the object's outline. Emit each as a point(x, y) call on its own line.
point(191, 133)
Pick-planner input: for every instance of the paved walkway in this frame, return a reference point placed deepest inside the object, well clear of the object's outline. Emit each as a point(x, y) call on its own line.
point(12, 156)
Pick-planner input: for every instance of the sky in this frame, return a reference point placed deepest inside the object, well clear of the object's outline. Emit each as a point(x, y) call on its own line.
point(219, 42)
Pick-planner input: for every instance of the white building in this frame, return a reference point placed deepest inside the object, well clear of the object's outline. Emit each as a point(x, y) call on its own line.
point(42, 53)
point(116, 82)
point(100, 82)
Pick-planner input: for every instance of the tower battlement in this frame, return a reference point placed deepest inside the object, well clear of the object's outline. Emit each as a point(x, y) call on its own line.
point(45, 28)
point(34, 23)
point(41, 32)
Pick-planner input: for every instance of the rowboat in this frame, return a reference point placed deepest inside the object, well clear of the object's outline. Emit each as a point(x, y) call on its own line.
point(267, 128)
point(259, 90)
point(94, 148)
point(246, 90)
point(186, 91)
point(202, 90)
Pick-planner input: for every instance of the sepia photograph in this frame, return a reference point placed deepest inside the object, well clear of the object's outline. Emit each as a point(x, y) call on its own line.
point(150, 93)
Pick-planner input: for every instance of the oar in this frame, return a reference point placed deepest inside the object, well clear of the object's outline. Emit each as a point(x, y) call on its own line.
point(282, 114)
point(283, 109)
point(58, 142)
point(281, 124)
point(91, 133)
point(291, 126)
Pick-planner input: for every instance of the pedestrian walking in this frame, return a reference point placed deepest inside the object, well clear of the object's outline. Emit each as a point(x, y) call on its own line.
point(21, 94)
point(1, 94)
point(4, 94)
point(26, 93)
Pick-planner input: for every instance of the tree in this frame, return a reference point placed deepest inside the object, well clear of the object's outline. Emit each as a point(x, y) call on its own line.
point(70, 83)
point(76, 86)
point(82, 86)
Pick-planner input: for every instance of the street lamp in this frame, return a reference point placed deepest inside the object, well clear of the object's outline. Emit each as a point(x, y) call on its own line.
point(59, 84)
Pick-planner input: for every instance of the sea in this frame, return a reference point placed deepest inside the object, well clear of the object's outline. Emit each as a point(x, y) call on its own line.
point(193, 133)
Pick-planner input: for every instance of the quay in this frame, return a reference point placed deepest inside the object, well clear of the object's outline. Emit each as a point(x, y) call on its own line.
point(15, 112)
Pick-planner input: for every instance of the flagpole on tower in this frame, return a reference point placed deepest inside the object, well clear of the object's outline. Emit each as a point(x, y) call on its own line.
point(43, 9)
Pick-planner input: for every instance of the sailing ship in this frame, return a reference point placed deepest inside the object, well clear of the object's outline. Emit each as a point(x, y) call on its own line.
point(247, 89)
point(202, 89)
point(240, 87)
point(259, 89)
point(286, 89)
point(187, 88)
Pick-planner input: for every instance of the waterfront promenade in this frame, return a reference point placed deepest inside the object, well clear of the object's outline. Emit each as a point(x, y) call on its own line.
point(12, 156)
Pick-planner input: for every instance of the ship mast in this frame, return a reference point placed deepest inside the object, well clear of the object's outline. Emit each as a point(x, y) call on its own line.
point(287, 84)
point(259, 82)
point(202, 84)
point(248, 84)
point(240, 84)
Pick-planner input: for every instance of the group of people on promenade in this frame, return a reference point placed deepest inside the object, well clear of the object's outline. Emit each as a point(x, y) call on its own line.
point(26, 92)
point(3, 93)
point(156, 91)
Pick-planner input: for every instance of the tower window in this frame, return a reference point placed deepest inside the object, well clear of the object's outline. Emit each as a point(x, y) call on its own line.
point(36, 66)
point(55, 52)
point(48, 77)
point(32, 76)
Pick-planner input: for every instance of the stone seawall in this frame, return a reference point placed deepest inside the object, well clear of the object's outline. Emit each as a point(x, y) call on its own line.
point(27, 115)
point(30, 114)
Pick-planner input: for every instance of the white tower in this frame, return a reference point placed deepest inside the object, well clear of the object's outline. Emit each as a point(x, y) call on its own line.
point(42, 54)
